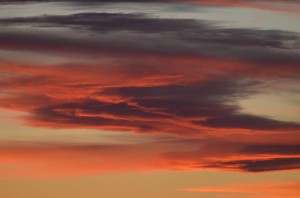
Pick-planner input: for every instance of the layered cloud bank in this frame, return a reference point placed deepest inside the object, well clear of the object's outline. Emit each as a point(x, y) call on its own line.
point(67, 160)
point(135, 72)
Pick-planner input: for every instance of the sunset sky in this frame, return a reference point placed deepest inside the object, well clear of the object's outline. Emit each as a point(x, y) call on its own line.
point(150, 99)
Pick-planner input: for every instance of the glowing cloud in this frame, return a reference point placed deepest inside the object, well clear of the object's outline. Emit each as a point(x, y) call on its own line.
point(266, 189)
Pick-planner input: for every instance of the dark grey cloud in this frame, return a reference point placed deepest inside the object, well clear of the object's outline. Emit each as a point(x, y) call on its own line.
point(237, 120)
point(189, 29)
point(206, 100)
point(275, 164)
point(198, 103)
point(138, 33)
point(225, 154)
point(173, 109)
point(94, 107)
point(201, 104)
point(221, 87)
point(97, 114)
point(283, 149)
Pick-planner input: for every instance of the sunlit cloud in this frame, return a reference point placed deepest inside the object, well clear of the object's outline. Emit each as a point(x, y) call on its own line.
point(141, 100)
point(183, 79)
point(50, 160)
point(274, 189)
point(190, 89)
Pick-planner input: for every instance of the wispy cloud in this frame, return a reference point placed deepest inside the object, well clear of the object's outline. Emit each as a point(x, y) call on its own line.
point(270, 5)
point(263, 189)
point(50, 160)
point(141, 33)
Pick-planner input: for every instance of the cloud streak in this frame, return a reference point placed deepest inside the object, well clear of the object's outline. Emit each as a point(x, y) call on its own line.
point(51, 160)
point(270, 5)
point(184, 32)
point(266, 189)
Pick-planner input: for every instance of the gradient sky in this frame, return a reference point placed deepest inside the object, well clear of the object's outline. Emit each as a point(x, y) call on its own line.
point(152, 99)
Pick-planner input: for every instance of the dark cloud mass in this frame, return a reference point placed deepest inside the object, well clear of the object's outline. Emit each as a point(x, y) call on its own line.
point(261, 165)
point(247, 121)
point(184, 79)
point(187, 29)
point(272, 149)
point(175, 109)
point(180, 78)
point(141, 33)
point(231, 155)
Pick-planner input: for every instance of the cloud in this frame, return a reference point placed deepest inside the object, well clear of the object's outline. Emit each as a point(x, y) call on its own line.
point(143, 100)
point(272, 149)
point(236, 156)
point(246, 121)
point(57, 161)
point(143, 87)
point(270, 5)
point(147, 75)
point(188, 29)
point(141, 84)
point(60, 160)
point(141, 34)
point(261, 165)
point(260, 189)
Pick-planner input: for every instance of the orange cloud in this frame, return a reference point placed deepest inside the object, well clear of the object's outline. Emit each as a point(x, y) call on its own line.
point(179, 77)
point(69, 160)
point(185, 96)
point(267, 189)
point(55, 161)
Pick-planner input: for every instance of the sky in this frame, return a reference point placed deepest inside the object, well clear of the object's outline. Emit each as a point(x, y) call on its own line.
point(152, 99)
